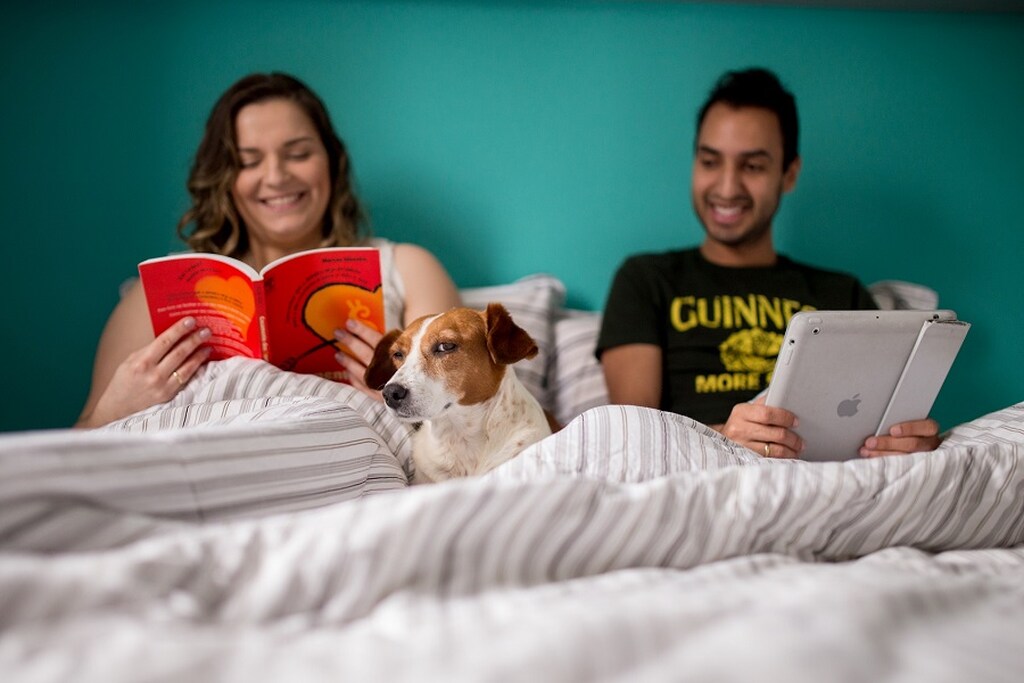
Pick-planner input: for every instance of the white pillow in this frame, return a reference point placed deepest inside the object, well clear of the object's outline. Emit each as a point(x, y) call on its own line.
point(576, 380)
point(532, 302)
point(897, 294)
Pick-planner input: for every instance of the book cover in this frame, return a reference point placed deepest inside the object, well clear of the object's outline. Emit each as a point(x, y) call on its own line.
point(285, 314)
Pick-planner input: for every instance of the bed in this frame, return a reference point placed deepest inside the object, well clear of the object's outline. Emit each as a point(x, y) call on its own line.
point(259, 528)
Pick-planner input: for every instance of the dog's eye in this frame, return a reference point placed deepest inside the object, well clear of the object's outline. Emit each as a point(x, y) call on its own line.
point(445, 347)
point(397, 356)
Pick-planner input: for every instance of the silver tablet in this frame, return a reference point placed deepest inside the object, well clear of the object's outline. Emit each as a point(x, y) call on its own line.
point(838, 371)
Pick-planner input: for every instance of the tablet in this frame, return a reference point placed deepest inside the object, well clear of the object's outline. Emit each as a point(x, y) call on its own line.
point(838, 372)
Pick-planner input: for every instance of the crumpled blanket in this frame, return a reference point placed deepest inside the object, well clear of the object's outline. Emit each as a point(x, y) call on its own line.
point(632, 545)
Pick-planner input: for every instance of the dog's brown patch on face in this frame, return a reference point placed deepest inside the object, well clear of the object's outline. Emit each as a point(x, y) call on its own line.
point(455, 348)
point(467, 350)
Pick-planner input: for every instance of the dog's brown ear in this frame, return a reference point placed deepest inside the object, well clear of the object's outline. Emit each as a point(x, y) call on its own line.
point(381, 367)
point(507, 342)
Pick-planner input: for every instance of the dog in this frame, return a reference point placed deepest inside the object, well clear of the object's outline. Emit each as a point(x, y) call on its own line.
point(450, 373)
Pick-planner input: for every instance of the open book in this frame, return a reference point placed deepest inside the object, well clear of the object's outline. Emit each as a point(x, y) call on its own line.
point(285, 314)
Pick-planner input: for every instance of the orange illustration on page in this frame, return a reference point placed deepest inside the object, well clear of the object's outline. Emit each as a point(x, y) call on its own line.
point(328, 308)
point(231, 296)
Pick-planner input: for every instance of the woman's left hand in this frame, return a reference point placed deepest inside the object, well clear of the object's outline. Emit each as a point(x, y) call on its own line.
point(361, 340)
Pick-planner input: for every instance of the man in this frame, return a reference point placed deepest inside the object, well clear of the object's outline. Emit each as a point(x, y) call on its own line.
point(697, 331)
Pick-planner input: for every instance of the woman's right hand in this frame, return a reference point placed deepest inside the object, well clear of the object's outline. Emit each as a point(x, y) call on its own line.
point(151, 375)
point(361, 340)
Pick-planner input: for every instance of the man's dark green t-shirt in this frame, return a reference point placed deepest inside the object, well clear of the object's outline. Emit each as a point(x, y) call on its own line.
point(720, 328)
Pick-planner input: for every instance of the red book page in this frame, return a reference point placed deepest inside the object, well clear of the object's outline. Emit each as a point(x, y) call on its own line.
point(310, 295)
point(218, 293)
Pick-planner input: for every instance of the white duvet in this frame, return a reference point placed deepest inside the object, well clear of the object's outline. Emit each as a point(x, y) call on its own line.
point(259, 529)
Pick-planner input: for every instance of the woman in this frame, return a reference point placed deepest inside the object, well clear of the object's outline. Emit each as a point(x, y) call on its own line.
point(270, 178)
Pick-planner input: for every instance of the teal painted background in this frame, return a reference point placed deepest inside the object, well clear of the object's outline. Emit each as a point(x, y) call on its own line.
point(512, 138)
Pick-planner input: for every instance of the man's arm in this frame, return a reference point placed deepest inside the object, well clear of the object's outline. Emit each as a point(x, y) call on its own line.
point(633, 374)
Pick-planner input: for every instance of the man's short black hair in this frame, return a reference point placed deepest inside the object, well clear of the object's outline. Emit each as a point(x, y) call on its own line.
point(757, 87)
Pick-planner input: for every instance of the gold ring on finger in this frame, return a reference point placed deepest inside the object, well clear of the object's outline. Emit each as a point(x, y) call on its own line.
point(175, 375)
point(767, 450)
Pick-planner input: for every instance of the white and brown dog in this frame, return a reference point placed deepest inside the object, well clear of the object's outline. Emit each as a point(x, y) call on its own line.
point(451, 373)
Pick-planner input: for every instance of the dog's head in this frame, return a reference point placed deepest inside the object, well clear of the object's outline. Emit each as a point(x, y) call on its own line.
point(456, 357)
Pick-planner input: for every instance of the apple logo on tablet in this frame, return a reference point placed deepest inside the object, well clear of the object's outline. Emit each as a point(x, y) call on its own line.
point(848, 407)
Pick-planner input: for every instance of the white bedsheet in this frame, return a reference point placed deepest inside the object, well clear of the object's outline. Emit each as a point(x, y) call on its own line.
point(267, 539)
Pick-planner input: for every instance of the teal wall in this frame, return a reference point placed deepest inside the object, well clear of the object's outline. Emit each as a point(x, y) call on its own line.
point(511, 138)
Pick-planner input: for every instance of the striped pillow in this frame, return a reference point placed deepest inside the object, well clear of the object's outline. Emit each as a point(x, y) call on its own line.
point(248, 458)
point(575, 376)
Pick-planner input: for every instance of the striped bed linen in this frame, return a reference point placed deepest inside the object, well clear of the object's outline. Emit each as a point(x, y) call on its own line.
point(226, 537)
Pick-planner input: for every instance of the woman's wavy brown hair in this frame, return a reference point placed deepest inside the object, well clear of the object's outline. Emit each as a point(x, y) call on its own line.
point(216, 225)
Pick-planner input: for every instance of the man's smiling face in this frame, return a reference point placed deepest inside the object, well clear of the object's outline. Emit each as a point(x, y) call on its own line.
point(738, 179)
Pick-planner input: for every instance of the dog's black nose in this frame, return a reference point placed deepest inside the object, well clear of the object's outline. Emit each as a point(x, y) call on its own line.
point(394, 394)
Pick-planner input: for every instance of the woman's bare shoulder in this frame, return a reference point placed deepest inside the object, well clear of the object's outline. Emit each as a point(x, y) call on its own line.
point(428, 286)
point(131, 315)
